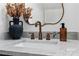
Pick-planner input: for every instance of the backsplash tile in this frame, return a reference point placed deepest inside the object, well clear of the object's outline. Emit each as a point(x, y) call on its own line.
point(70, 35)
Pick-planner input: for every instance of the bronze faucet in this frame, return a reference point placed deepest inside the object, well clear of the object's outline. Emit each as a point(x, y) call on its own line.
point(40, 30)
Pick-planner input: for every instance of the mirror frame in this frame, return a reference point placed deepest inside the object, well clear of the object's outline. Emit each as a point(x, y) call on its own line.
point(55, 22)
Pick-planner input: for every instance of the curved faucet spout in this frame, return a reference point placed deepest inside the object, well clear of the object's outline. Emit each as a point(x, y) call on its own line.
point(40, 30)
point(38, 22)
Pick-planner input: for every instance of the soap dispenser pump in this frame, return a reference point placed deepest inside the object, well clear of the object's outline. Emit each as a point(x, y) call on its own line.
point(63, 33)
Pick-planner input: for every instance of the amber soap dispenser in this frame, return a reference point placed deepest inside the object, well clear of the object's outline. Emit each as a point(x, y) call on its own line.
point(63, 32)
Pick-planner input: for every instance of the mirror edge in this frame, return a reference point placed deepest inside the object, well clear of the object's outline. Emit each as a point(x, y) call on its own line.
point(55, 22)
point(59, 19)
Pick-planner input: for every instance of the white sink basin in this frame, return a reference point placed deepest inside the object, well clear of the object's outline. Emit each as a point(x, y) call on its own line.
point(38, 44)
point(51, 47)
point(45, 47)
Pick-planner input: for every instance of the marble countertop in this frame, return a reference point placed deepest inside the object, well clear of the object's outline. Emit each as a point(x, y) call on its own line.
point(28, 47)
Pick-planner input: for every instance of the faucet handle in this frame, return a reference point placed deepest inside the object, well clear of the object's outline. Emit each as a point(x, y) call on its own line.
point(32, 35)
point(48, 36)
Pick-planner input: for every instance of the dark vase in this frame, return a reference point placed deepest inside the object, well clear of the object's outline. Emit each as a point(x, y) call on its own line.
point(15, 28)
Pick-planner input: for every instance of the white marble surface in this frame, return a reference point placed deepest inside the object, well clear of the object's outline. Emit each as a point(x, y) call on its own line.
point(40, 47)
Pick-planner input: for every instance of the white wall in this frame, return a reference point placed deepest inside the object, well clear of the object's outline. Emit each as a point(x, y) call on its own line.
point(37, 12)
point(71, 19)
point(3, 19)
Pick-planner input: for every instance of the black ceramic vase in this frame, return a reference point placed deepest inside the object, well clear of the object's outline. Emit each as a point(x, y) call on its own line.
point(15, 28)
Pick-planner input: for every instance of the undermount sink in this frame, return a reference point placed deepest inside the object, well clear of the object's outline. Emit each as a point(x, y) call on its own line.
point(38, 44)
point(53, 46)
